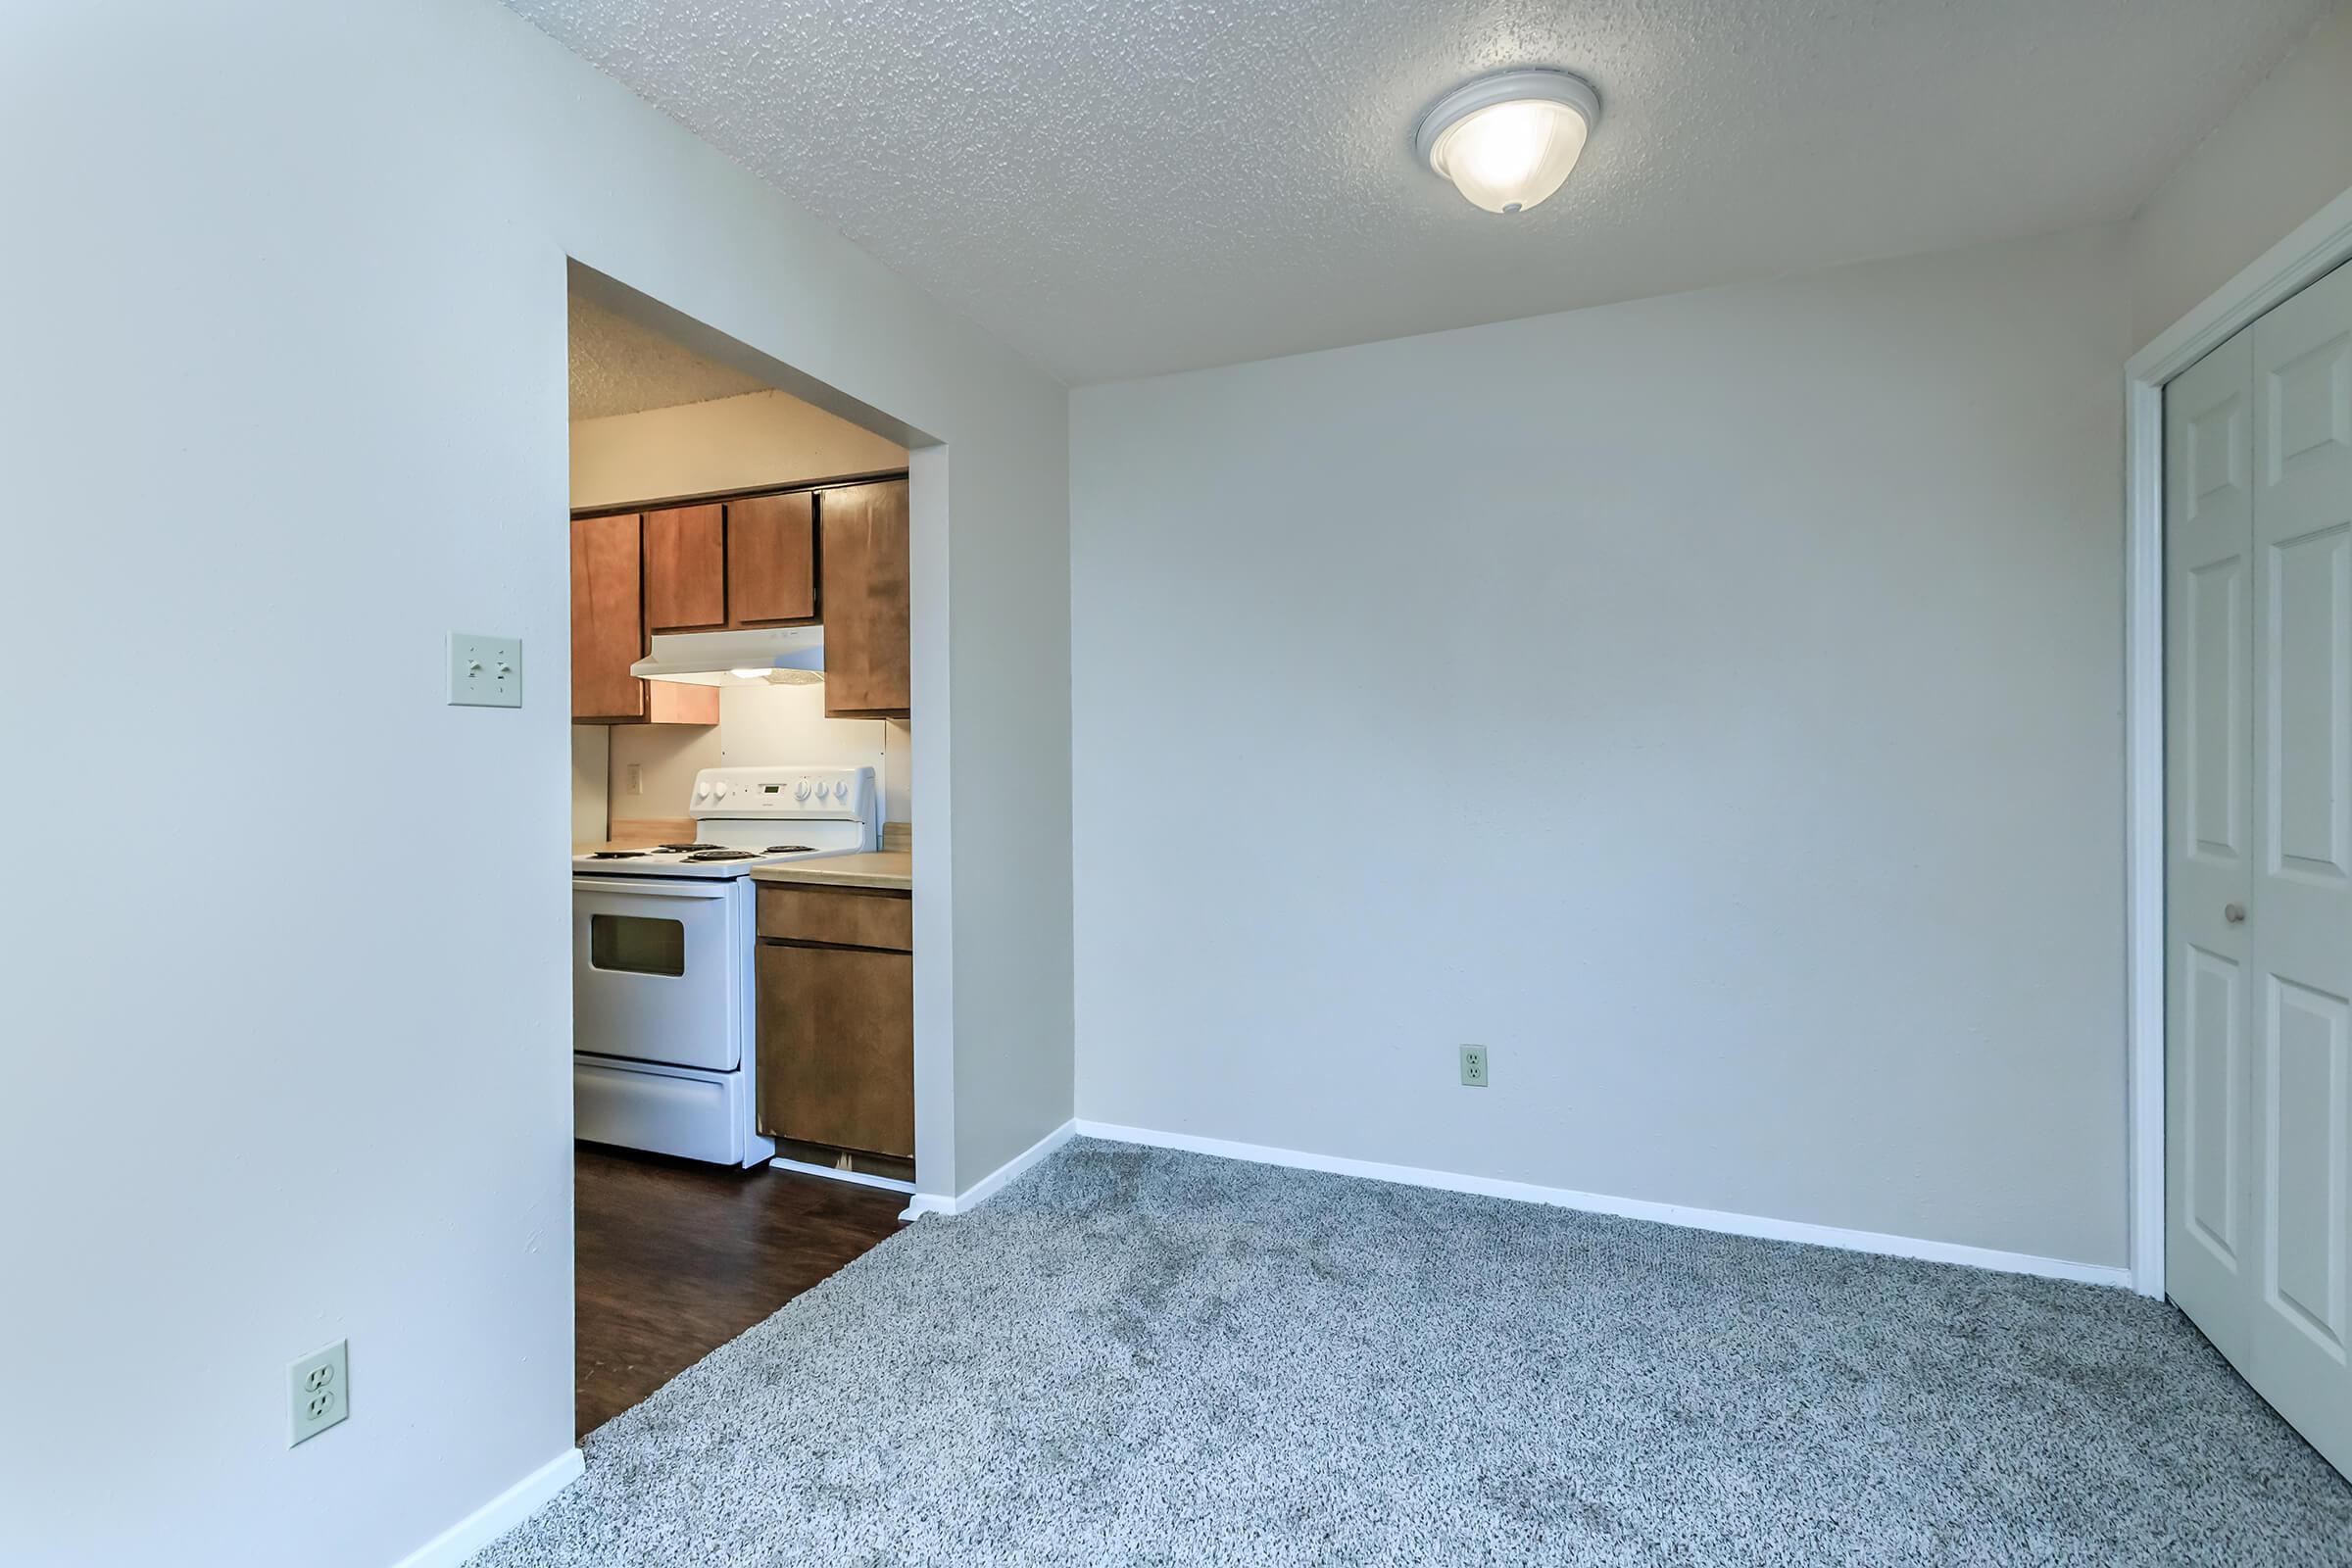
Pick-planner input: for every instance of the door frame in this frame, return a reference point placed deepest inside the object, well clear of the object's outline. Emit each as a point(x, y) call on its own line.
point(2314, 249)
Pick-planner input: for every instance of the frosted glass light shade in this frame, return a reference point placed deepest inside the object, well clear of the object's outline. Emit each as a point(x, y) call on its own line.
point(1509, 140)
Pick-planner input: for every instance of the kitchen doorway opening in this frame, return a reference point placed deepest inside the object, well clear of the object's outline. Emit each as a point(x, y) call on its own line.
point(747, 614)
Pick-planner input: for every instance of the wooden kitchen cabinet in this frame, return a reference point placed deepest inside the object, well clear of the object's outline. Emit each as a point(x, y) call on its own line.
point(608, 633)
point(838, 555)
point(686, 569)
point(862, 567)
point(608, 625)
point(824, 915)
point(837, 1021)
point(771, 559)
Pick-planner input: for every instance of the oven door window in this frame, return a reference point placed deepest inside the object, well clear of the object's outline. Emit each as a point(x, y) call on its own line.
point(637, 944)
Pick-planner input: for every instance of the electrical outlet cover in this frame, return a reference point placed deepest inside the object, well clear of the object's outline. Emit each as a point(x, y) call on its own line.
point(319, 1391)
point(484, 671)
point(1475, 1066)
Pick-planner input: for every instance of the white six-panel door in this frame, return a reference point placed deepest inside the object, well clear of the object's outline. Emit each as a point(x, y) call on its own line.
point(2258, 973)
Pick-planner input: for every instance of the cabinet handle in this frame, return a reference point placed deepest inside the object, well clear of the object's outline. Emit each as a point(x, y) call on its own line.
point(2234, 913)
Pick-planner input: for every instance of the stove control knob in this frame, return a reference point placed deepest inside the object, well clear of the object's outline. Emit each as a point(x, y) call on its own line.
point(718, 792)
point(841, 789)
point(800, 790)
point(702, 789)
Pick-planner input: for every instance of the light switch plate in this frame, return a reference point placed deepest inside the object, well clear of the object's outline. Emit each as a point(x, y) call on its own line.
point(318, 1390)
point(484, 671)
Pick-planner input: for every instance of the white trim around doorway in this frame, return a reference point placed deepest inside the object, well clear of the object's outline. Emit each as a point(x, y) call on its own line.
point(2318, 247)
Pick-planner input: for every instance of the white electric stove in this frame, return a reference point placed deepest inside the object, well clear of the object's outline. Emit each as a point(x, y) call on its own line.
point(664, 1004)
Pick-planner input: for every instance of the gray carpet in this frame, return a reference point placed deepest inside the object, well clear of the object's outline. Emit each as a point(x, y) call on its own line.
point(1135, 1356)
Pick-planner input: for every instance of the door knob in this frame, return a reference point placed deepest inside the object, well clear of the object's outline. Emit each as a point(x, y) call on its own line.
point(2234, 913)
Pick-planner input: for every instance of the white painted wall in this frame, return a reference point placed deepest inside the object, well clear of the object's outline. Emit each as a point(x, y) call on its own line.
point(2284, 152)
point(311, 261)
point(1711, 704)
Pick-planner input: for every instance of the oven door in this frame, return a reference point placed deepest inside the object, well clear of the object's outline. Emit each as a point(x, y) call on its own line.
point(657, 969)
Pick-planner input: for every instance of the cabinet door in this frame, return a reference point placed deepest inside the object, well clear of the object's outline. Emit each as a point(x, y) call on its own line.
point(863, 560)
point(771, 559)
point(607, 631)
point(837, 1047)
point(686, 569)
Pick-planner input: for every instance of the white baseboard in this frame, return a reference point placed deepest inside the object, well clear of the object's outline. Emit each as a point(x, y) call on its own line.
point(834, 1173)
point(995, 1181)
point(1704, 1219)
point(499, 1515)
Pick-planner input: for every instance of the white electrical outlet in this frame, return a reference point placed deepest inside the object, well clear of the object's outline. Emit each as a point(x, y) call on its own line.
point(318, 1390)
point(1474, 1066)
point(636, 778)
point(484, 671)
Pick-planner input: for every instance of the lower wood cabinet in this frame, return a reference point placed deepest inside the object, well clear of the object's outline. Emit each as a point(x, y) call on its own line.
point(837, 1018)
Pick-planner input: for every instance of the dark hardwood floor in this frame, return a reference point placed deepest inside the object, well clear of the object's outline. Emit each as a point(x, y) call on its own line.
point(675, 1258)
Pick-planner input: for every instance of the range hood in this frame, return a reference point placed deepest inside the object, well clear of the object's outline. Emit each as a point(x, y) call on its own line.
point(783, 655)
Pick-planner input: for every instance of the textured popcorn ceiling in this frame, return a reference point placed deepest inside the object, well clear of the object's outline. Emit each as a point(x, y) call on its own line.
point(1120, 188)
point(620, 368)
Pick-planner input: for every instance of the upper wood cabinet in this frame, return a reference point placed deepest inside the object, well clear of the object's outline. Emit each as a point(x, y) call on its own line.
point(686, 569)
point(862, 534)
point(608, 627)
point(608, 633)
point(835, 554)
point(771, 559)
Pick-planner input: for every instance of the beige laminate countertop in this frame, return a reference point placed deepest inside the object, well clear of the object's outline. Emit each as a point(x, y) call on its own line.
point(881, 868)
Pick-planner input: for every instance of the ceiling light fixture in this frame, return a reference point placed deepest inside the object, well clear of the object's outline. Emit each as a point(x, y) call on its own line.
point(1509, 140)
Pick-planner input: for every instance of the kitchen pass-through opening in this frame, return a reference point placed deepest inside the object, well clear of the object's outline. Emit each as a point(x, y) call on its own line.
point(742, 703)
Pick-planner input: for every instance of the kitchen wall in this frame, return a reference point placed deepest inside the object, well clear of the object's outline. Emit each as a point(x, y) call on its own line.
point(1711, 704)
point(760, 440)
point(2284, 152)
point(763, 439)
point(316, 279)
point(591, 766)
point(757, 724)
